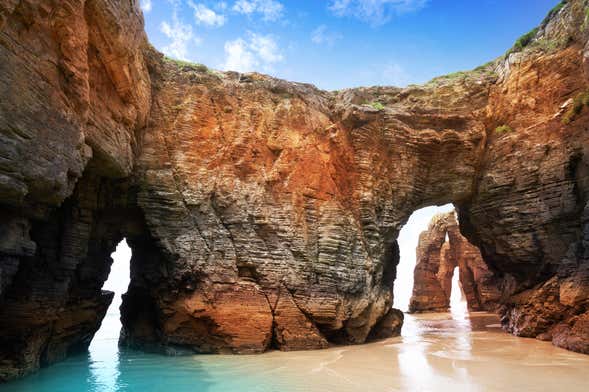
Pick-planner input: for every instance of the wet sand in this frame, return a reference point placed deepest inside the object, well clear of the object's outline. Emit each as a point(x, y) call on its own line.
point(436, 352)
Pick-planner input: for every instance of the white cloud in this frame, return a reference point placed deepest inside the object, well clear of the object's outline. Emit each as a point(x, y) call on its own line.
point(206, 16)
point(146, 5)
point(321, 35)
point(375, 12)
point(271, 10)
point(180, 36)
point(258, 51)
point(238, 57)
point(266, 48)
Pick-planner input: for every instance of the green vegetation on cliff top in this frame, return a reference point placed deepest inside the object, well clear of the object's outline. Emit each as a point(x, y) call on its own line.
point(544, 44)
point(187, 65)
point(482, 71)
point(579, 103)
point(555, 10)
point(525, 41)
point(376, 105)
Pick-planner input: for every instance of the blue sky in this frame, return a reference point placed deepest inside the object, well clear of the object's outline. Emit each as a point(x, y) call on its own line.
point(341, 43)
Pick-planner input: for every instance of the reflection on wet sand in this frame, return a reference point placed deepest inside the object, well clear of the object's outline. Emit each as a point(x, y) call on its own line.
point(437, 352)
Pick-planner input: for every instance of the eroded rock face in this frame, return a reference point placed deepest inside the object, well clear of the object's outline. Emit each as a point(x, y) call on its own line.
point(440, 250)
point(281, 196)
point(264, 213)
point(75, 92)
point(529, 214)
point(433, 269)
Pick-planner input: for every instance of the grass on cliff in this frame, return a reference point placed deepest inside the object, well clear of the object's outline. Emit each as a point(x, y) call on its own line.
point(377, 105)
point(527, 40)
point(502, 129)
point(543, 44)
point(579, 102)
point(187, 65)
point(482, 71)
point(555, 10)
point(486, 68)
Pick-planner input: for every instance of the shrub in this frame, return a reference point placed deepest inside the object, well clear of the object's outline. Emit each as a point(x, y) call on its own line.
point(501, 129)
point(187, 65)
point(376, 105)
point(485, 68)
point(555, 10)
point(579, 102)
point(525, 39)
point(522, 42)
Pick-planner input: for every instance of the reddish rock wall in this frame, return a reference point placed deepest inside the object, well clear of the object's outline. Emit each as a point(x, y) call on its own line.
point(440, 250)
point(529, 214)
point(246, 189)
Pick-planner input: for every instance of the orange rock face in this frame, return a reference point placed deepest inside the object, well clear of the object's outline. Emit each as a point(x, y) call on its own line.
point(233, 319)
point(264, 213)
point(440, 250)
point(529, 214)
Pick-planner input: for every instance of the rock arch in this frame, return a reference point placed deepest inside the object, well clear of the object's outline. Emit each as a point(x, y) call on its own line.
point(241, 189)
point(440, 250)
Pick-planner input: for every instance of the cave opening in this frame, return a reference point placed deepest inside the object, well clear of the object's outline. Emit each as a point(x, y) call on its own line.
point(439, 269)
point(408, 241)
point(107, 337)
point(103, 351)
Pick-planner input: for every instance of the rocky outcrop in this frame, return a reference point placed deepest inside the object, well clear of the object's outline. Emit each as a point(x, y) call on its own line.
point(75, 93)
point(529, 214)
point(440, 250)
point(433, 270)
point(263, 213)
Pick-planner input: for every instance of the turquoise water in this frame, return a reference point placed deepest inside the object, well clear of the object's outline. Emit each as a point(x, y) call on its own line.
point(107, 369)
point(439, 352)
point(454, 351)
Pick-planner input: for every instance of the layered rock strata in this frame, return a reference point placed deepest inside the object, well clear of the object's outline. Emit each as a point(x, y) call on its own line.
point(263, 213)
point(440, 250)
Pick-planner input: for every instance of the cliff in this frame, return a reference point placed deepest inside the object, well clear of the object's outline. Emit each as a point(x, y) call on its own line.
point(264, 213)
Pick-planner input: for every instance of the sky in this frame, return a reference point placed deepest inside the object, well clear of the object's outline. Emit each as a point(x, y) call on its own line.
point(337, 44)
point(119, 276)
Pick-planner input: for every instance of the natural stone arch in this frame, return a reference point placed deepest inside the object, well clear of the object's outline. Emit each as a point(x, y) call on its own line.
point(54, 303)
point(440, 250)
point(303, 204)
point(246, 187)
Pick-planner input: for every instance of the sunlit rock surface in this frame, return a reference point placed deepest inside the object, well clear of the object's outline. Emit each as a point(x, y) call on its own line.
point(440, 250)
point(264, 213)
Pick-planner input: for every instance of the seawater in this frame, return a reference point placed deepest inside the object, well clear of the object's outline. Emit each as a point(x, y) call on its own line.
point(436, 352)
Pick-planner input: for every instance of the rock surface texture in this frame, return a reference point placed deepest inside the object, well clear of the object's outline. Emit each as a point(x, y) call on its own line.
point(440, 250)
point(263, 213)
